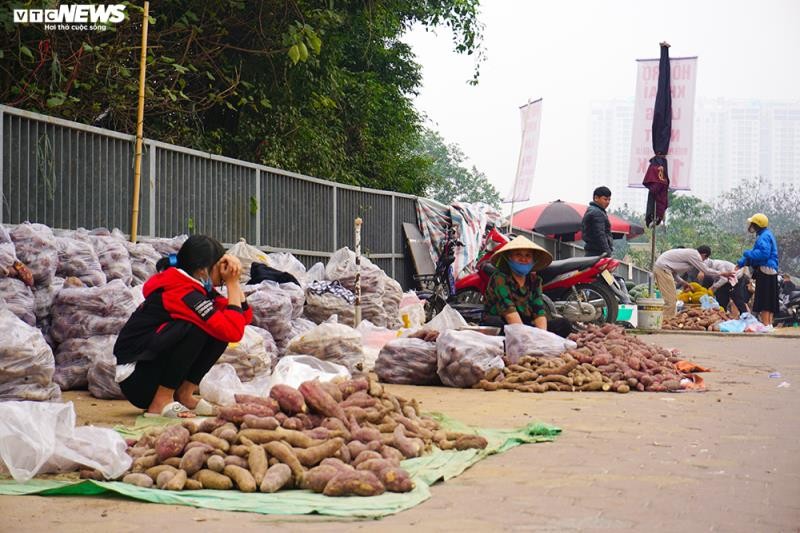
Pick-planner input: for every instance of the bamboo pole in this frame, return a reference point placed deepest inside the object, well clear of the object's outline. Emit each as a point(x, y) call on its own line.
point(137, 167)
point(357, 314)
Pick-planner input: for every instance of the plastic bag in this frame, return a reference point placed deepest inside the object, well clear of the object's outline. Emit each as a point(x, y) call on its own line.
point(301, 325)
point(86, 312)
point(320, 306)
point(38, 438)
point(249, 356)
point(373, 338)
point(76, 257)
point(331, 341)
point(286, 262)
point(464, 357)
point(102, 375)
point(392, 296)
point(316, 273)
point(112, 254)
point(407, 361)
point(247, 255)
point(412, 311)
point(342, 268)
point(19, 299)
point(272, 310)
point(745, 322)
point(36, 247)
point(221, 384)
point(166, 246)
point(8, 255)
point(448, 318)
point(298, 297)
point(522, 340)
point(43, 297)
point(26, 362)
point(293, 370)
point(708, 302)
point(143, 261)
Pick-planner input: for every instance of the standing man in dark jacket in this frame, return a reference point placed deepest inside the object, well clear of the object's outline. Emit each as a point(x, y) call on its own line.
point(596, 227)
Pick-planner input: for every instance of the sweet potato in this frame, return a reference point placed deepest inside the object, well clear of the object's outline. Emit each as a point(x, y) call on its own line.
point(154, 471)
point(211, 440)
point(351, 386)
point(332, 389)
point(192, 484)
point(277, 477)
point(338, 464)
point(391, 453)
point(198, 444)
point(213, 480)
point(171, 441)
point(466, 442)
point(356, 447)
point(164, 477)
point(359, 399)
point(224, 427)
point(193, 460)
point(395, 479)
point(177, 482)
point(149, 460)
point(315, 454)
point(294, 438)
point(236, 413)
point(207, 425)
point(355, 483)
point(366, 455)
point(241, 477)
point(375, 465)
point(263, 401)
point(236, 460)
point(408, 447)
point(259, 422)
point(216, 463)
point(321, 401)
point(138, 479)
point(293, 423)
point(172, 461)
point(289, 399)
point(257, 463)
point(319, 476)
point(286, 455)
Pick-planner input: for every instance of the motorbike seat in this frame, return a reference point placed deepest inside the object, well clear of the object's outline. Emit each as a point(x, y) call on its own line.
point(794, 298)
point(565, 265)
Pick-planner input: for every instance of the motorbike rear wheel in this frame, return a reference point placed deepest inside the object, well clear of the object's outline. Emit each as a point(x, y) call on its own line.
point(468, 296)
point(593, 292)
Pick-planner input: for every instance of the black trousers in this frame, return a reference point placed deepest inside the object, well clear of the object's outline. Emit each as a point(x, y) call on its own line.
point(559, 326)
point(737, 293)
point(189, 358)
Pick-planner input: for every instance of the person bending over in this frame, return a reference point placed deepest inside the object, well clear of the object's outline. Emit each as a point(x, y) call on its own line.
point(174, 338)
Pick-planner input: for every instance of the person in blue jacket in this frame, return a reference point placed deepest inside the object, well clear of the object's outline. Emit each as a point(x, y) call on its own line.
point(763, 261)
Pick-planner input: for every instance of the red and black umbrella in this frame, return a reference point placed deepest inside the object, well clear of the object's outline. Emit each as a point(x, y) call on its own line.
point(563, 220)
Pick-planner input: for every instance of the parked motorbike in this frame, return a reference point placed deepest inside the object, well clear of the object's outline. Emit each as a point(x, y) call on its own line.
point(439, 288)
point(581, 289)
point(788, 308)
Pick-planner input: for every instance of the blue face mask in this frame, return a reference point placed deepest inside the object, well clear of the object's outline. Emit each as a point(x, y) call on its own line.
point(208, 285)
point(522, 269)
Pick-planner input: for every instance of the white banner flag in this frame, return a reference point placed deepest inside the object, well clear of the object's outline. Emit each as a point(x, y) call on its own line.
point(683, 74)
point(531, 115)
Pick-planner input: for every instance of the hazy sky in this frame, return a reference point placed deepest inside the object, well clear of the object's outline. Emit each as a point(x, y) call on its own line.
point(573, 52)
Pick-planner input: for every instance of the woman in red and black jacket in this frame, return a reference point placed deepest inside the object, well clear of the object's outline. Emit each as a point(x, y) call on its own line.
point(174, 338)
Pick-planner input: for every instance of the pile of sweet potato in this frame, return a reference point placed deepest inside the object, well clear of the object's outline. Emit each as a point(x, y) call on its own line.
point(542, 374)
point(338, 439)
point(697, 320)
point(625, 358)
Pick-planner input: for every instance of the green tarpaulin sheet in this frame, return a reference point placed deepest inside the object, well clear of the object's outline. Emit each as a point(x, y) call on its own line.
point(425, 471)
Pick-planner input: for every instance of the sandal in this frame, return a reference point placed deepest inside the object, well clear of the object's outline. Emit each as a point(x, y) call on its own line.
point(172, 410)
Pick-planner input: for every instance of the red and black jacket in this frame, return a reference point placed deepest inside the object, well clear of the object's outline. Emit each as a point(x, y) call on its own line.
point(172, 296)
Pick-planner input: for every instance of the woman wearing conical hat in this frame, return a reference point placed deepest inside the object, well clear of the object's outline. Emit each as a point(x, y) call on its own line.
point(514, 292)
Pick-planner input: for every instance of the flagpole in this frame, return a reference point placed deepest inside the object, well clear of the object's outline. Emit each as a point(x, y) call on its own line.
point(519, 162)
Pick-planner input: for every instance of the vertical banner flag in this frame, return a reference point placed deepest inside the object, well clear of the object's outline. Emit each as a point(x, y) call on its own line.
point(531, 115)
point(683, 78)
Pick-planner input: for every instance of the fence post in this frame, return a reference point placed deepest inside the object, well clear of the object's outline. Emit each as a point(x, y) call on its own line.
point(335, 217)
point(258, 208)
point(2, 163)
point(151, 160)
point(392, 225)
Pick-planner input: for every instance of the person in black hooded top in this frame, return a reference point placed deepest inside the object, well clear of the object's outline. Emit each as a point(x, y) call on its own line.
point(596, 227)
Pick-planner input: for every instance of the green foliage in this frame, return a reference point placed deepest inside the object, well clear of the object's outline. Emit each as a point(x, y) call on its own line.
point(320, 88)
point(450, 181)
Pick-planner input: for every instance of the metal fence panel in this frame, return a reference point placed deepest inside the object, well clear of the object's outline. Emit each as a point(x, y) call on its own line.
point(376, 212)
point(203, 195)
point(296, 214)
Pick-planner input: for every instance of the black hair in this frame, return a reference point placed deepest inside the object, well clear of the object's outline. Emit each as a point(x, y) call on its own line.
point(198, 252)
point(602, 191)
point(704, 250)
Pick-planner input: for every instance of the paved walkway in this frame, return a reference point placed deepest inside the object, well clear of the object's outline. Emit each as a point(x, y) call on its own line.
point(724, 460)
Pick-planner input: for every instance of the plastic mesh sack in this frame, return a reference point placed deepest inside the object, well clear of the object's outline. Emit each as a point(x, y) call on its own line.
point(36, 247)
point(86, 312)
point(143, 261)
point(26, 362)
point(330, 341)
point(76, 257)
point(464, 357)
point(18, 299)
point(247, 255)
point(522, 339)
point(249, 356)
point(112, 254)
point(286, 262)
point(407, 361)
point(102, 374)
point(272, 310)
point(43, 297)
point(165, 246)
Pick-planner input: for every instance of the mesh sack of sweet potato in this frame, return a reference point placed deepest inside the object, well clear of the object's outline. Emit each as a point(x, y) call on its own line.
point(88, 311)
point(35, 246)
point(331, 341)
point(112, 254)
point(76, 257)
point(18, 298)
point(26, 362)
point(407, 361)
point(464, 357)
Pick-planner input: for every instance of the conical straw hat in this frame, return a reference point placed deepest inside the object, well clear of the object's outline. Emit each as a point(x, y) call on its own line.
point(541, 257)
